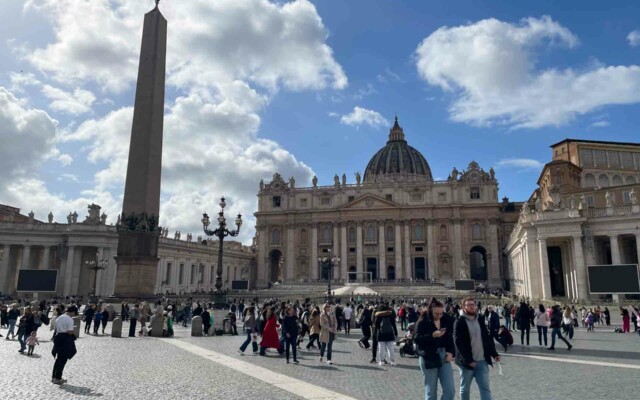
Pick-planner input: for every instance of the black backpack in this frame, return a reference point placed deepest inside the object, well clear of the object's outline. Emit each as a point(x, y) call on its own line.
point(385, 327)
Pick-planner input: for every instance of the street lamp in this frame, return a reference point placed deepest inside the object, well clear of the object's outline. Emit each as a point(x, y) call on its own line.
point(329, 262)
point(221, 232)
point(95, 266)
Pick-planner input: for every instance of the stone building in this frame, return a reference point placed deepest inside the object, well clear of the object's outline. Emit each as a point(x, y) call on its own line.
point(184, 266)
point(584, 212)
point(395, 223)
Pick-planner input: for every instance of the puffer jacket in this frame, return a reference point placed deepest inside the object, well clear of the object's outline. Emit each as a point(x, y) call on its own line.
point(386, 337)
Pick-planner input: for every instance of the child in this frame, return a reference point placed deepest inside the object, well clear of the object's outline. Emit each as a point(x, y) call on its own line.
point(32, 341)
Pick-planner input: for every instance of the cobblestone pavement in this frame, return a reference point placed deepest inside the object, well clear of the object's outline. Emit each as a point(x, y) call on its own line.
point(601, 364)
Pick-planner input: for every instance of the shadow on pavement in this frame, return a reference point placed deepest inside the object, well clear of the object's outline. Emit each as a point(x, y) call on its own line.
point(80, 390)
point(561, 350)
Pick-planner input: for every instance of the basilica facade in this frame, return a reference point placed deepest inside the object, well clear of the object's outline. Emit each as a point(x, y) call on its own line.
point(395, 224)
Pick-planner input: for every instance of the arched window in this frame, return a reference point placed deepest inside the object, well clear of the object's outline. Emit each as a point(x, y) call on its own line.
point(326, 234)
point(589, 181)
point(616, 180)
point(389, 233)
point(603, 181)
point(303, 236)
point(275, 236)
point(352, 235)
point(444, 235)
point(476, 232)
point(630, 180)
point(418, 232)
point(371, 233)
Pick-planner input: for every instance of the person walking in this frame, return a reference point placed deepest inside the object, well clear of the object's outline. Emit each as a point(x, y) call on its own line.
point(542, 323)
point(386, 332)
point(32, 342)
point(328, 330)
point(26, 325)
point(97, 320)
point(290, 332)
point(567, 322)
point(12, 317)
point(270, 334)
point(314, 329)
point(206, 321)
point(347, 313)
point(105, 319)
point(64, 347)
point(607, 316)
point(626, 320)
point(89, 313)
point(434, 342)
point(134, 313)
point(365, 325)
point(506, 313)
point(474, 350)
point(249, 327)
point(556, 320)
point(524, 322)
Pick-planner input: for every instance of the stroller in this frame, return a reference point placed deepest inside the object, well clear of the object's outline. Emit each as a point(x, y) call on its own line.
point(406, 344)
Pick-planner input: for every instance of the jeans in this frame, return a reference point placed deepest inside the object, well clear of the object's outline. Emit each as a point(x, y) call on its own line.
point(431, 376)
point(507, 323)
point(291, 342)
point(327, 347)
point(312, 338)
point(12, 326)
point(388, 346)
point(522, 331)
point(554, 332)
point(366, 334)
point(22, 338)
point(244, 346)
point(481, 374)
point(542, 332)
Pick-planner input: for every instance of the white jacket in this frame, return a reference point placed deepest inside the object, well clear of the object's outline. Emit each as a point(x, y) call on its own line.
point(542, 318)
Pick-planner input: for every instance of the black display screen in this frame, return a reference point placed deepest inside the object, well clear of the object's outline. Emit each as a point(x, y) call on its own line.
point(465, 284)
point(239, 285)
point(37, 280)
point(612, 279)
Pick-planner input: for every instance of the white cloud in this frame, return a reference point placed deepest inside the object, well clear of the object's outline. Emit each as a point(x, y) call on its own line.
point(520, 163)
point(362, 116)
point(368, 90)
point(78, 102)
point(68, 177)
point(490, 69)
point(600, 124)
point(634, 38)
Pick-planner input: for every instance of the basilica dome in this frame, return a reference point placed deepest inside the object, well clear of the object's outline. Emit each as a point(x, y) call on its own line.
point(397, 161)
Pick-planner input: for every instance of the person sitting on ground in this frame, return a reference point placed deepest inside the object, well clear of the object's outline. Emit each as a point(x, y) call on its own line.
point(504, 337)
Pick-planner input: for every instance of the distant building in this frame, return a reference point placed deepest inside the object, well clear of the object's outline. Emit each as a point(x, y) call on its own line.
point(395, 223)
point(184, 266)
point(584, 212)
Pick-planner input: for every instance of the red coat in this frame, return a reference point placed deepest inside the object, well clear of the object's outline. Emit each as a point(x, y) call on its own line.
point(269, 334)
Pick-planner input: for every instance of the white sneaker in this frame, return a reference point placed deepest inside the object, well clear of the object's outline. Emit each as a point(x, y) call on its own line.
point(393, 363)
point(380, 363)
point(241, 352)
point(329, 362)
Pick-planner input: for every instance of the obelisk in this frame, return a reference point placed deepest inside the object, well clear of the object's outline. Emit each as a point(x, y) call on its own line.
point(138, 231)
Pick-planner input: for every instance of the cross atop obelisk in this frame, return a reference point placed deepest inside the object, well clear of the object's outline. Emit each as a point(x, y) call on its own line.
point(138, 231)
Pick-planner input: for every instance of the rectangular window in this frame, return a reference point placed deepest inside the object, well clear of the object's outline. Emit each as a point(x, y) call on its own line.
point(614, 158)
point(636, 157)
point(626, 197)
point(303, 202)
point(352, 249)
point(416, 196)
point(167, 276)
point(389, 197)
point(586, 158)
point(627, 159)
point(181, 274)
point(276, 201)
point(474, 193)
point(418, 249)
point(351, 198)
point(193, 274)
point(590, 202)
point(325, 201)
point(600, 157)
point(390, 249)
point(442, 197)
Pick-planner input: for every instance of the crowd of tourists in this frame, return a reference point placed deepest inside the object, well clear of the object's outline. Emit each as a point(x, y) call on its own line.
point(438, 333)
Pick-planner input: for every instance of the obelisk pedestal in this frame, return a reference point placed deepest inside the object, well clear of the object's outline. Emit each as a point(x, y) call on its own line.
point(138, 231)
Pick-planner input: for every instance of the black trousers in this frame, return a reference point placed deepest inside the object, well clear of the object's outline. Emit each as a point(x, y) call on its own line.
point(366, 334)
point(132, 327)
point(347, 326)
point(291, 343)
point(524, 329)
point(58, 366)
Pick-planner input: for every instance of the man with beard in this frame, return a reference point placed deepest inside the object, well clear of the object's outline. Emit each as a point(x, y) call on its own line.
point(474, 350)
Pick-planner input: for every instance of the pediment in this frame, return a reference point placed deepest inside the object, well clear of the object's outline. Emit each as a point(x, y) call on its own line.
point(369, 201)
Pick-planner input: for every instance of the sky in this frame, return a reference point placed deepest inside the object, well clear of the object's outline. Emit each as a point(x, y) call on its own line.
point(303, 88)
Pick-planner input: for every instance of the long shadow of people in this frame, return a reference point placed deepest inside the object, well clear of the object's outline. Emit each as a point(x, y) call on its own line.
point(80, 390)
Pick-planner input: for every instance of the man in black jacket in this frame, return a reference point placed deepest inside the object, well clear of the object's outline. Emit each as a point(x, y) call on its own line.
point(474, 350)
point(365, 324)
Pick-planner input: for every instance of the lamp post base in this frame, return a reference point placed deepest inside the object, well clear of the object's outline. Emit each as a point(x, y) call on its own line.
point(219, 299)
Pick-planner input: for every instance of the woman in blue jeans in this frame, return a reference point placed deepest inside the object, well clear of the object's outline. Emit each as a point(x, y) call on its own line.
point(250, 325)
point(434, 341)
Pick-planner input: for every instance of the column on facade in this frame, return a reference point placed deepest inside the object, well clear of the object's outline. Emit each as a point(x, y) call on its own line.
point(46, 255)
point(615, 250)
point(397, 249)
point(314, 252)
point(262, 259)
point(545, 283)
point(344, 264)
point(494, 269)
point(580, 268)
point(291, 255)
point(431, 249)
point(68, 270)
point(359, 265)
point(457, 249)
point(105, 276)
point(26, 257)
point(533, 267)
point(159, 273)
point(335, 251)
point(382, 251)
point(5, 282)
point(567, 268)
point(407, 249)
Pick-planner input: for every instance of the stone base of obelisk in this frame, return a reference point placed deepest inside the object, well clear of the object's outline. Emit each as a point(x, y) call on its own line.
point(136, 277)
